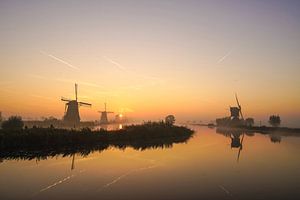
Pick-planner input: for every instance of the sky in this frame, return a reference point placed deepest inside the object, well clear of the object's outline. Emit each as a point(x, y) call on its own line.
point(148, 59)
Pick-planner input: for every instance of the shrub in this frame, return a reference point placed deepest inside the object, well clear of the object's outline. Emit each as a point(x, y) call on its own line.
point(274, 120)
point(249, 122)
point(13, 123)
point(170, 120)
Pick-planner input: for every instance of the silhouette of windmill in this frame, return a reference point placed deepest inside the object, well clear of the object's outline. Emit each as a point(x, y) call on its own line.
point(71, 116)
point(235, 112)
point(104, 118)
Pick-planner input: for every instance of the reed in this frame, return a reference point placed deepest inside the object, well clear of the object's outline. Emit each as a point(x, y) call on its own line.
point(52, 141)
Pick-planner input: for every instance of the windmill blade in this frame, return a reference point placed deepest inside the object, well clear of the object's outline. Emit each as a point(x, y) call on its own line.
point(238, 103)
point(76, 91)
point(240, 149)
point(84, 104)
point(65, 99)
point(108, 112)
point(66, 108)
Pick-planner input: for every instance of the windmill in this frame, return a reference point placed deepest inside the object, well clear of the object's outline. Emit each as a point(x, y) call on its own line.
point(103, 118)
point(236, 112)
point(72, 109)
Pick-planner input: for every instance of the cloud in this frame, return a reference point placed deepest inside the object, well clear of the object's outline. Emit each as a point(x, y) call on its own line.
point(90, 84)
point(60, 60)
point(118, 65)
point(42, 97)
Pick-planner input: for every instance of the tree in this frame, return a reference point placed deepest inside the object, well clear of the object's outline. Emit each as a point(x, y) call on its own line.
point(249, 121)
point(13, 123)
point(170, 120)
point(274, 120)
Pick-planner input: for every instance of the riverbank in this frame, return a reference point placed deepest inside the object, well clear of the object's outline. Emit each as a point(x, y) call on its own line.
point(52, 141)
point(262, 129)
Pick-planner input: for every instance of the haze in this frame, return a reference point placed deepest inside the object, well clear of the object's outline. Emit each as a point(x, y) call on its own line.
point(151, 58)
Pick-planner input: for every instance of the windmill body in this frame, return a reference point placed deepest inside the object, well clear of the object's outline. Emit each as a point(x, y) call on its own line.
point(104, 117)
point(72, 113)
point(236, 114)
point(72, 116)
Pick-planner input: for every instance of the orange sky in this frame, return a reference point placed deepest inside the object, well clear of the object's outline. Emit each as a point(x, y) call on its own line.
point(151, 59)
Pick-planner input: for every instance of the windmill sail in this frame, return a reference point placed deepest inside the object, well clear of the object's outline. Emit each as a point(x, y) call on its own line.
point(239, 106)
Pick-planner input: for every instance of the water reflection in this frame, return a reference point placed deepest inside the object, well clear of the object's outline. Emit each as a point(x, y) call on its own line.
point(237, 137)
point(275, 138)
point(85, 150)
point(203, 167)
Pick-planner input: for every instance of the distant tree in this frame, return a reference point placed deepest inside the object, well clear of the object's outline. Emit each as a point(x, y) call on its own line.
point(225, 121)
point(249, 121)
point(170, 120)
point(13, 123)
point(274, 120)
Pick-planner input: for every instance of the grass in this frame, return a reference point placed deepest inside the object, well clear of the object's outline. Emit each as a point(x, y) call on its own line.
point(43, 142)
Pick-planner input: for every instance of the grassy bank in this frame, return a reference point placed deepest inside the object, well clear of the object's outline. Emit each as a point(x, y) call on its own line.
point(50, 141)
point(262, 129)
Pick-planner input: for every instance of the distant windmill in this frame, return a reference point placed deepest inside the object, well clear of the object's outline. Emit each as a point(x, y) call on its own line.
point(103, 118)
point(71, 116)
point(235, 112)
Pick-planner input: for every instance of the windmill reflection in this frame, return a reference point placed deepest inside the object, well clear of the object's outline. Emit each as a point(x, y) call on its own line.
point(275, 138)
point(237, 138)
point(73, 162)
point(85, 150)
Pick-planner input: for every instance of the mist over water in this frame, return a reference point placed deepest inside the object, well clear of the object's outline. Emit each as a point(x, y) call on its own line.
point(98, 99)
point(212, 164)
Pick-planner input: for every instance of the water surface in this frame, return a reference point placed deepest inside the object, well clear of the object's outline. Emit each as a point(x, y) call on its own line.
point(211, 165)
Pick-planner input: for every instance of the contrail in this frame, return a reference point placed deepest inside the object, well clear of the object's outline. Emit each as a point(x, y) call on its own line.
point(60, 60)
point(118, 65)
point(225, 56)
